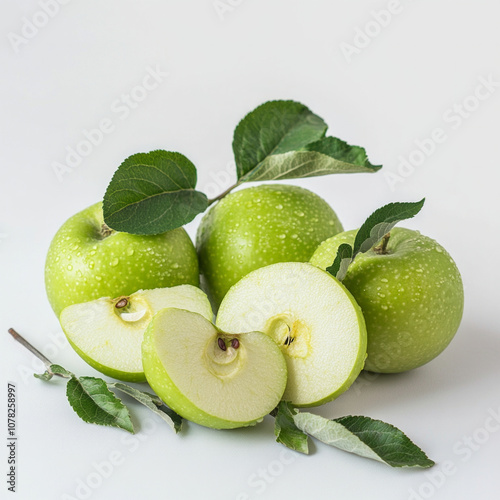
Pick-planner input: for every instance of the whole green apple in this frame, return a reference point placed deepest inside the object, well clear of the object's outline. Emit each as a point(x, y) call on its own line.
point(411, 295)
point(259, 226)
point(87, 260)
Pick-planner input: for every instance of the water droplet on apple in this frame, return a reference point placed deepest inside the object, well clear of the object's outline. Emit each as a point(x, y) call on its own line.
point(282, 236)
point(175, 265)
point(384, 307)
point(384, 280)
point(91, 264)
point(98, 278)
point(439, 250)
point(295, 236)
point(299, 213)
point(130, 252)
point(115, 262)
point(70, 268)
point(92, 252)
point(279, 207)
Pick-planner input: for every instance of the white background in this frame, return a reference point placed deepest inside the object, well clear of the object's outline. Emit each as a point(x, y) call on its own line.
point(222, 63)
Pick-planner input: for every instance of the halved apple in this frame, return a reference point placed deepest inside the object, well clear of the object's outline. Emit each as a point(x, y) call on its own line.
point(313, 319)
point(107, 333)
point(209, 377)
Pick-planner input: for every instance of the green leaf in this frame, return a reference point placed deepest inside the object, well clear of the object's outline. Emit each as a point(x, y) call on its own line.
point(274, 127)
point(153, 402)
point(53, 370)
point(96, 404)
point(286, 431)
point(371, 232)
point(44, 376)
point(152, 193)
point(381, 222)
point(365, 437)
point(341, 262)
point(285, 140)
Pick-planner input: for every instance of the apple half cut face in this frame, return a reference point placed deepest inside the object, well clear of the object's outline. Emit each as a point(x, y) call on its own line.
point(107, 333)
point(312, 318)
point(208, 377)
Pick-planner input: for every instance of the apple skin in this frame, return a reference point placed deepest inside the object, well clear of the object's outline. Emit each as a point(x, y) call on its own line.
point(412, 298)
point(82, 266)
point(259, 226)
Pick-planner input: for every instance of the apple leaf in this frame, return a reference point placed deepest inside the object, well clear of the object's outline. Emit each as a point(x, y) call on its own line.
point(371, 232)
point(95, 403)
point(285, 140)
point(341, 262)
point(153, 402)
point(286, 431)
point(152, 193)
point(365, 437)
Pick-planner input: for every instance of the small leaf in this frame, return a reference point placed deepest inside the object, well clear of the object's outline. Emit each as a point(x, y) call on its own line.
point(365, 437)
point(153, 402)
point(53, 370)
point(59, 370)
point(381, 222)
point(44, 376)
point(341, 262)
point(152, 193)
point(371, 232)
point(286, 431)
point(274, 127)
point(96, 404)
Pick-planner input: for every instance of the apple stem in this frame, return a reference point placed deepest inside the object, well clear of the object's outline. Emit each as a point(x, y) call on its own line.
point(46, 361)
point(224, 193)
point(382, 248)
point(105, 230)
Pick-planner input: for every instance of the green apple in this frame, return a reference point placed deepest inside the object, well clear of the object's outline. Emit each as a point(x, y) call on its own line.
point(312, 318)
point(259, 226)
point(108, 332)
point(209, 377)
point(411, 294)
point(87, 260)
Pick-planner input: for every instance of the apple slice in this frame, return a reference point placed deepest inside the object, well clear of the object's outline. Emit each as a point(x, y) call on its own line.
point(209, 377)
point(312, 317)
point(107, 333)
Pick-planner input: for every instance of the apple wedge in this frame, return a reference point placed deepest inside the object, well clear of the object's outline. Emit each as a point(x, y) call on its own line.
point(312, 318)
point(209, 377)
point(107, 333)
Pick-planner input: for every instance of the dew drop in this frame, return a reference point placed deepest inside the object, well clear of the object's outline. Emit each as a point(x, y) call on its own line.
point(92, 252)
point(70, 268)
point(279, 207)
point(98, 278)
point(282, 236)
point(299, 213)
point(130, 252)
point(91, 264)
point(115, 262)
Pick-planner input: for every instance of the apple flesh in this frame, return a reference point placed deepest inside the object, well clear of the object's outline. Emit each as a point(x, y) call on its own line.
point(312, 318)
point(86, 261)
point(258, 226)
point(209, 377)
point(411, 295)
point(107, 333)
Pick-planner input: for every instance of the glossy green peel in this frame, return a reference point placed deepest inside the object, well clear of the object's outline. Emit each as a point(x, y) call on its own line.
point(258, 226)
point(87, 261)
point(411, 295)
